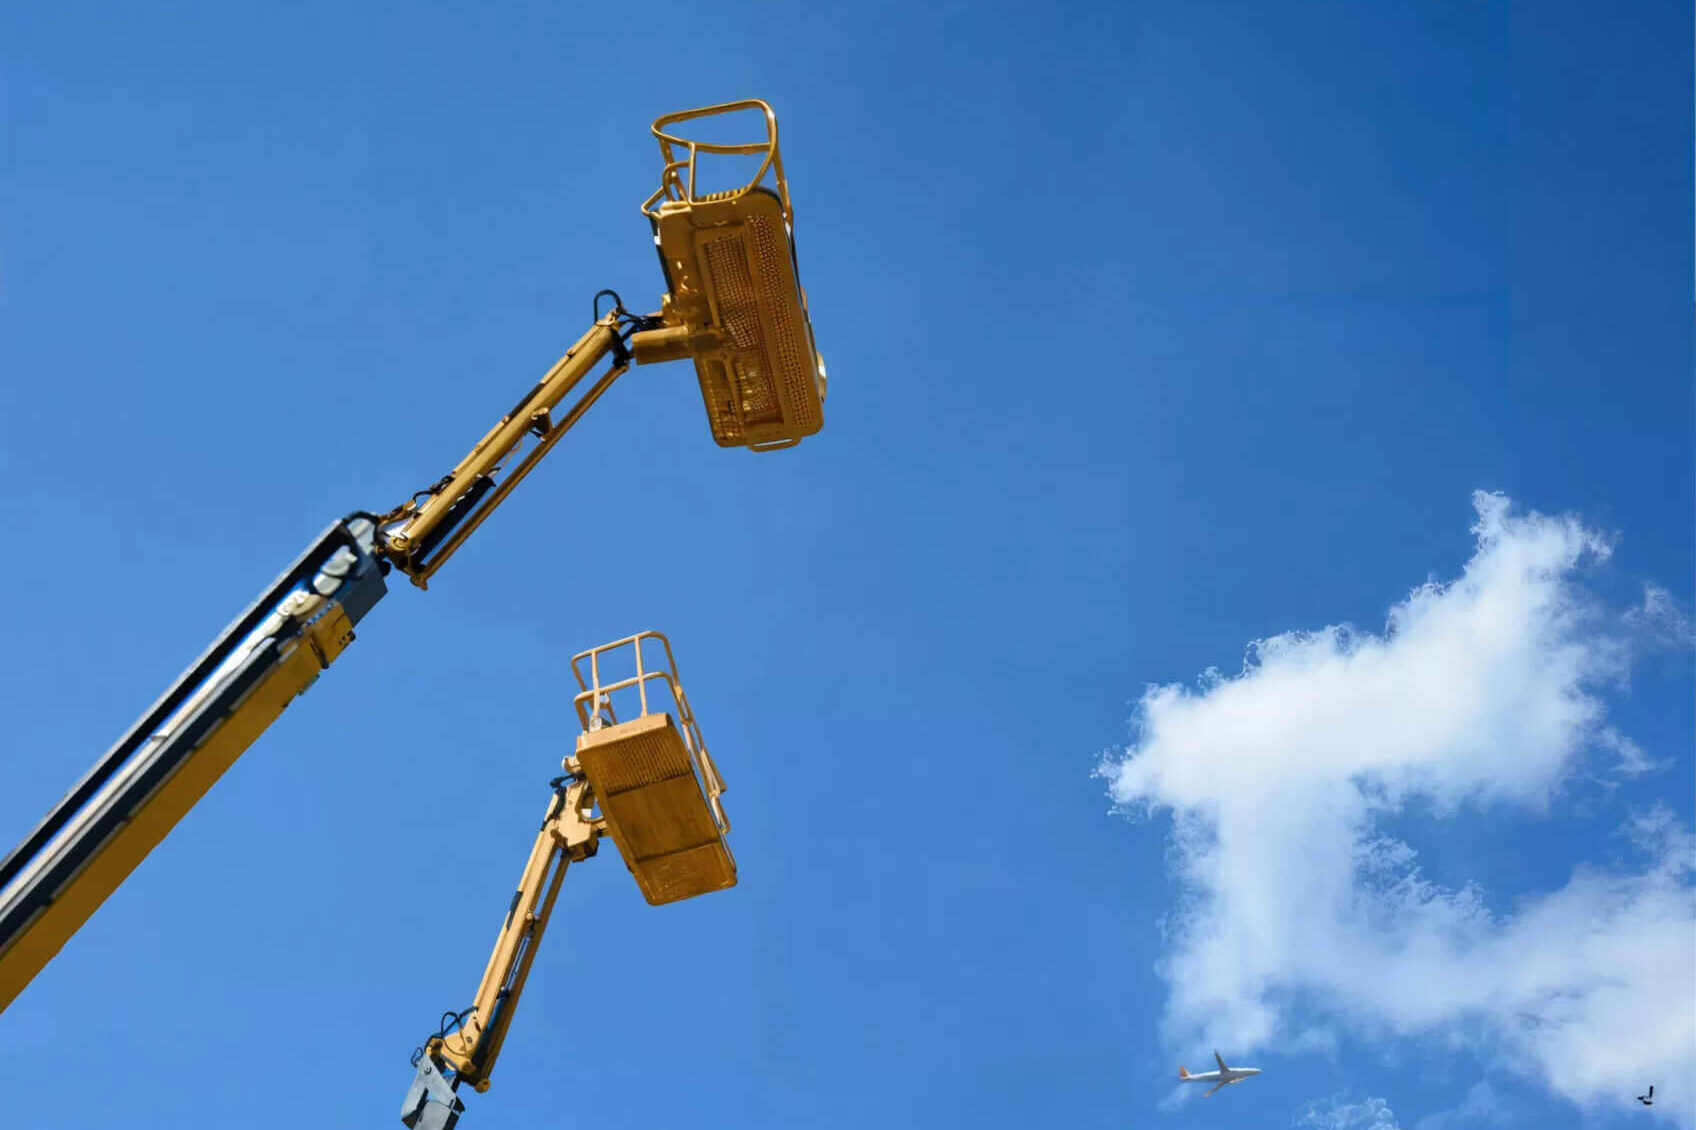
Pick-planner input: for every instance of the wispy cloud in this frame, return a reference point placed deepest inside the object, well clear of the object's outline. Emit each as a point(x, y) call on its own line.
point(1176, 1098)
point(1338, 1113)
point(1480, 1107)
point(1489, 690)
point(1660, 619)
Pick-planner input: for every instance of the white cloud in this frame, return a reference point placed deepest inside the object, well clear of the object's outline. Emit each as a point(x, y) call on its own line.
point(1483, 692)
point(1660, 619)
point(1337, 1113)
point(1481, 1106)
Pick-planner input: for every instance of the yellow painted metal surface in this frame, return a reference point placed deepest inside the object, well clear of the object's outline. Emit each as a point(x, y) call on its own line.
point(729, 258)
point(657, 795)
point(655, 810)
point(567, 836)
point(408, 527)
point(81, 897)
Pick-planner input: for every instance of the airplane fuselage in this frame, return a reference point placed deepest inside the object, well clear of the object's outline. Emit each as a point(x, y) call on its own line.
point(1221, 1077)
point(1229, 1075)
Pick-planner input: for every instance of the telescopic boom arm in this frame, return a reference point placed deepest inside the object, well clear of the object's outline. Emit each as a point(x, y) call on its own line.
point(735, 307)
point(122, 808)
point(94, 837)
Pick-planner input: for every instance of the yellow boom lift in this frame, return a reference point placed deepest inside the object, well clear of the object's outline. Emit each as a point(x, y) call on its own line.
point(734, 305)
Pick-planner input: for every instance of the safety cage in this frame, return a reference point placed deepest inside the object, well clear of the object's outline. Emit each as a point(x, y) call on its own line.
point(729, 262)
point(650, 772)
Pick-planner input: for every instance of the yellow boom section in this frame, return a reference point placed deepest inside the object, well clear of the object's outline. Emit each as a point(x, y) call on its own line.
point(733, 305)
point(129, 802)
point(657, 795)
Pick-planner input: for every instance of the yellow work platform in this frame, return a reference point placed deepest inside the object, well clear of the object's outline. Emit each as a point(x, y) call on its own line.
point(733, 286)
point(655, 811)
point(651, 776)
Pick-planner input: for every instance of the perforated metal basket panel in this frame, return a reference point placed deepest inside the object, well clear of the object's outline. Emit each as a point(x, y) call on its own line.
point(646, 785)
point(633, 754)
point(722, 415)
point(794, 374)
point(732, 267)
point(757, 394)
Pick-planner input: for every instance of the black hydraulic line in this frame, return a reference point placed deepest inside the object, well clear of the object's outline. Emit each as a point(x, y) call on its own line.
point(18, 910)
point(462, 506)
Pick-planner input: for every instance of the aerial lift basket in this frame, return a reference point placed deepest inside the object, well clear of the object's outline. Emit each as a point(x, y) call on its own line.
point(734, 290)
point(651, 774)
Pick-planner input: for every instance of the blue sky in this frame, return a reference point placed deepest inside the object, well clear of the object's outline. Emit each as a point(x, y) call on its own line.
point(1154, 330)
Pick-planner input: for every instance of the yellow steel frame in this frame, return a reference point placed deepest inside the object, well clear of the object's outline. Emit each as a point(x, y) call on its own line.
point(677, 179)
point(568, 835)
point(109, 822)
point(419, 536)
point(123, 853)
point(593, 703)
point(408, 528)
point(734, 300)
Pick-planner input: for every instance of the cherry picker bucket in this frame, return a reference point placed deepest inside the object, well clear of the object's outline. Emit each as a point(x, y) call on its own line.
point(655, 783)
point(734, 287)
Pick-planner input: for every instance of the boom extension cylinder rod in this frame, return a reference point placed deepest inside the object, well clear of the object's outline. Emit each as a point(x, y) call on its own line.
point(419, 537)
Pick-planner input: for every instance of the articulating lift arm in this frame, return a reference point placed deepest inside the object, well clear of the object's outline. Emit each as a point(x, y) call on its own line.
point(420, 535)
point(465, 1048)
point(647, 783)
point(734, 305)
point(122, 808)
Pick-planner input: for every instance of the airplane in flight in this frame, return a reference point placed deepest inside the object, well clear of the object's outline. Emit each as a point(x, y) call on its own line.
point(1222, 1077)
point(1648, 1099)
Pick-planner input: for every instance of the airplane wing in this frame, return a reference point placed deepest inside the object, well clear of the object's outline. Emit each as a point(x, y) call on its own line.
point(1222, 1083)
point(1221, 1062)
